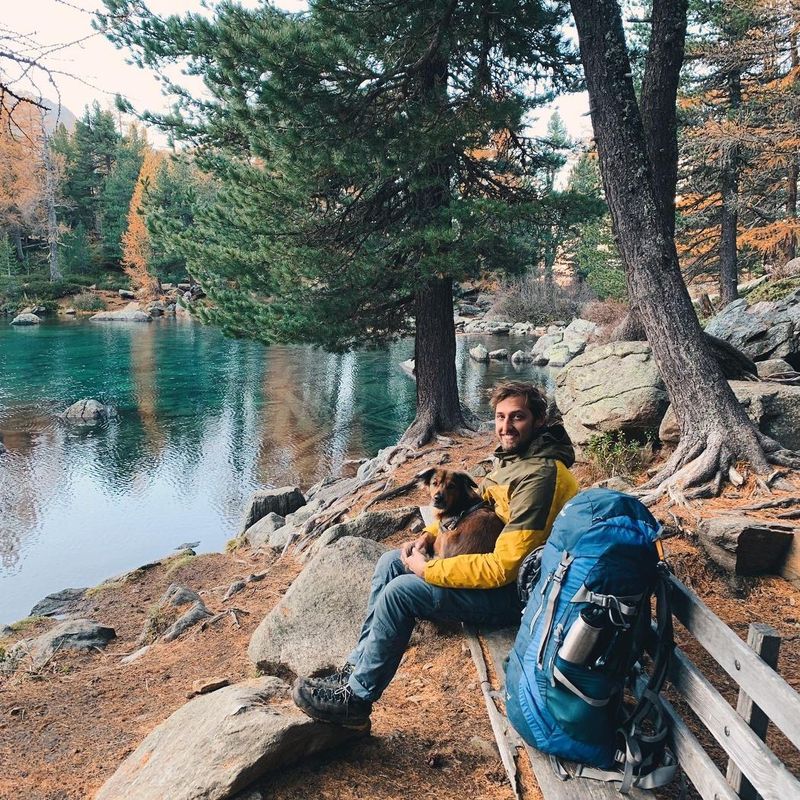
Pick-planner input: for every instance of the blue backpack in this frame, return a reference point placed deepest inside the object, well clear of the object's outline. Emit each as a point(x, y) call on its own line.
point(582, 636)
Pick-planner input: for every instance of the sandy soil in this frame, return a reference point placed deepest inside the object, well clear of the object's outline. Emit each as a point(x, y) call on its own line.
point(65, 729)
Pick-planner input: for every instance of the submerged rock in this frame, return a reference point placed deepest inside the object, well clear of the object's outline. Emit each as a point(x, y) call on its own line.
point(479, 353)
point(26, 318)
point(88, 412)
point(131, 313)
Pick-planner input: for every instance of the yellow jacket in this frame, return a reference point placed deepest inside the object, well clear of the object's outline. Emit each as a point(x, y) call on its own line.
point(526, 490)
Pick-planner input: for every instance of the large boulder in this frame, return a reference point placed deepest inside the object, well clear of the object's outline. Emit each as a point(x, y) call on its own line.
point(763, 330)
point(744, 545)
point(615, 387)
point(220, 743)
point(773, 366)
point(282, 501)
point(26, 318)
point(131, 313)
point(63, 602)
point(77, 634)
point(259, 534)
point(375, 525)
point(87, 412)
point(774, 407)
point(316, 624)
point(543, 344)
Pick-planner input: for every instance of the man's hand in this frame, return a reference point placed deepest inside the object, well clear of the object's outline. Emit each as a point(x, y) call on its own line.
point(414, 560)
point(423, 543)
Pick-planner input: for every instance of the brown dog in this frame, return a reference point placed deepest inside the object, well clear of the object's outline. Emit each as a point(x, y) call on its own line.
point(466, 524)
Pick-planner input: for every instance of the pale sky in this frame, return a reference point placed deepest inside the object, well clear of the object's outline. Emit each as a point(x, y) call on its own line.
point(101, 70)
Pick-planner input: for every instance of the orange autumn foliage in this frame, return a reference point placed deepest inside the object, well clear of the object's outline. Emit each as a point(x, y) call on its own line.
point(136, 252)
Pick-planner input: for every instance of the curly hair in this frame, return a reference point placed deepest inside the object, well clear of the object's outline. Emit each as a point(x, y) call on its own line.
point(534, 397)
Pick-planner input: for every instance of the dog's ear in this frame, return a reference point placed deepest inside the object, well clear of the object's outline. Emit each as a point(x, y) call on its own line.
point(426, 476)
point(467, 482)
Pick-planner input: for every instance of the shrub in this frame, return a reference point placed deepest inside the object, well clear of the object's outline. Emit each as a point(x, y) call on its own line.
point(88, 301)
point(613, 454)
point(604, 312)
point(529, 299)
point(774, 290)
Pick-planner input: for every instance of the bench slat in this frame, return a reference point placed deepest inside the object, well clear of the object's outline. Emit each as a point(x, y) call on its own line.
point(498, 644)
point(766, 688)
point(761, 766)
point(693, 759)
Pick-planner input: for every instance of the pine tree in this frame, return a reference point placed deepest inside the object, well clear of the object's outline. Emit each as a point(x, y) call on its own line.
point(638, 163)
point(345, 144)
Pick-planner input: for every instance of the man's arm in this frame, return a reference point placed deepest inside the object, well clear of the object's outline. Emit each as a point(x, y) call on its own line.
point(531, 501)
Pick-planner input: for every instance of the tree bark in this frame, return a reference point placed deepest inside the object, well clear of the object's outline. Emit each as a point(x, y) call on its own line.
point(438, 406)
point(728, 263)
point(794, 172)
point(715, 431)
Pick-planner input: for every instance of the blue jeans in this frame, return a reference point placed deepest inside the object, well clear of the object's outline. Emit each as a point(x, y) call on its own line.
point(397, 600)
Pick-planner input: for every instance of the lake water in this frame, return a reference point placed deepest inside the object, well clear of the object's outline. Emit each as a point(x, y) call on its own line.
point(203, 422)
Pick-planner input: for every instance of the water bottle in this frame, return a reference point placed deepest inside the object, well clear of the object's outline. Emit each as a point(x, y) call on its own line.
point(583, 635)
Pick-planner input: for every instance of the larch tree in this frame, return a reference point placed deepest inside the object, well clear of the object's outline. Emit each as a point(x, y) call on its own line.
point(344, 142)
point(636, 143)
point(136, 250)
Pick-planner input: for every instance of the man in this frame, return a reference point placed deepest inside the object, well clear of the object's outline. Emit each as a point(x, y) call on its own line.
point(528, 486)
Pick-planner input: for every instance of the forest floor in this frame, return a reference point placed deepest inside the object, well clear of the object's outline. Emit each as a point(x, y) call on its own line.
point(65, 728)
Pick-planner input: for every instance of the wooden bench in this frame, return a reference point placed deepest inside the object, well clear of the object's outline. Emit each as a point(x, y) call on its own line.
point(751, 770)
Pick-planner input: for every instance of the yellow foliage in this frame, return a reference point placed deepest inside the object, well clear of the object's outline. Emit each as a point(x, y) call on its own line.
point(136, 239)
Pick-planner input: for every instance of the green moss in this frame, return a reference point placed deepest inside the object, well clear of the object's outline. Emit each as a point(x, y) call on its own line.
point(774, 290)
point(26, 623)
point(177, 562)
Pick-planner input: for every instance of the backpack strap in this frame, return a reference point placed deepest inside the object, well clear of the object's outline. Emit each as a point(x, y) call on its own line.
point(552, 601)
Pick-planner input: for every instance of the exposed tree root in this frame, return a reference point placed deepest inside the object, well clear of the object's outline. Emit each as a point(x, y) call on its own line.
point(421, 431)
point(701, 464)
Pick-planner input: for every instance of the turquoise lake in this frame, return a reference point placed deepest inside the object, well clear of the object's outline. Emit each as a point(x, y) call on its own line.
point(202, 422)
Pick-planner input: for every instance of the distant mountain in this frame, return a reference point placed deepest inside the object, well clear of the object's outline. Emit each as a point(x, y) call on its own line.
point(56, 116)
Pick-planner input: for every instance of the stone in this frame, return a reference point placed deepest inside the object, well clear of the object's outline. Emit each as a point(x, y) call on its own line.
point(580, 327)
point(479, 353)
point(743, 545)
point(499, 355)
point(282, 501)
point(234, 588)
point(70, 311)
point(220, 743)
point(468, 310)
point(558, 355)
point(127, 294)
point(615, 387)
point(763, 330)
point(258, 535)
point(156, 308)
point(26, 319)
point(316, 623)
point(88, 412)
point(375, 525)
point(131, 313)
point(76, 634)
point(197, 613)
point(543, 344)
point(615, 482)
point(522, 329)
point(3, 449)
point(773, 407)
point(408, 366)
point(790, 269)
point(280, 538)
point(62, 602)
point(520, 357)
point(177, 596)
point(773, 366)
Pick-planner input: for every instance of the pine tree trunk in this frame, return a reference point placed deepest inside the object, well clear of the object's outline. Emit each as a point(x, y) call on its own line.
point(16, 235)
point(714, 428)
point(794, 173)
point(728, 263)
point(438, 407)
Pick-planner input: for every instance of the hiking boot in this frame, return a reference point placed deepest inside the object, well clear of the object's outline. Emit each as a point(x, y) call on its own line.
point(330, 703)
point(336, 678)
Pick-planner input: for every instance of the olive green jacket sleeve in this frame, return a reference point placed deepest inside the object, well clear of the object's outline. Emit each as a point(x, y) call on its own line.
point(528, 504)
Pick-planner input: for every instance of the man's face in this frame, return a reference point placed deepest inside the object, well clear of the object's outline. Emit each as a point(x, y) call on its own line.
point(514, 424)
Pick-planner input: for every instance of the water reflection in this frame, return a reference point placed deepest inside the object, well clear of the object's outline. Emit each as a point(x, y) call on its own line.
point(202, 422)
